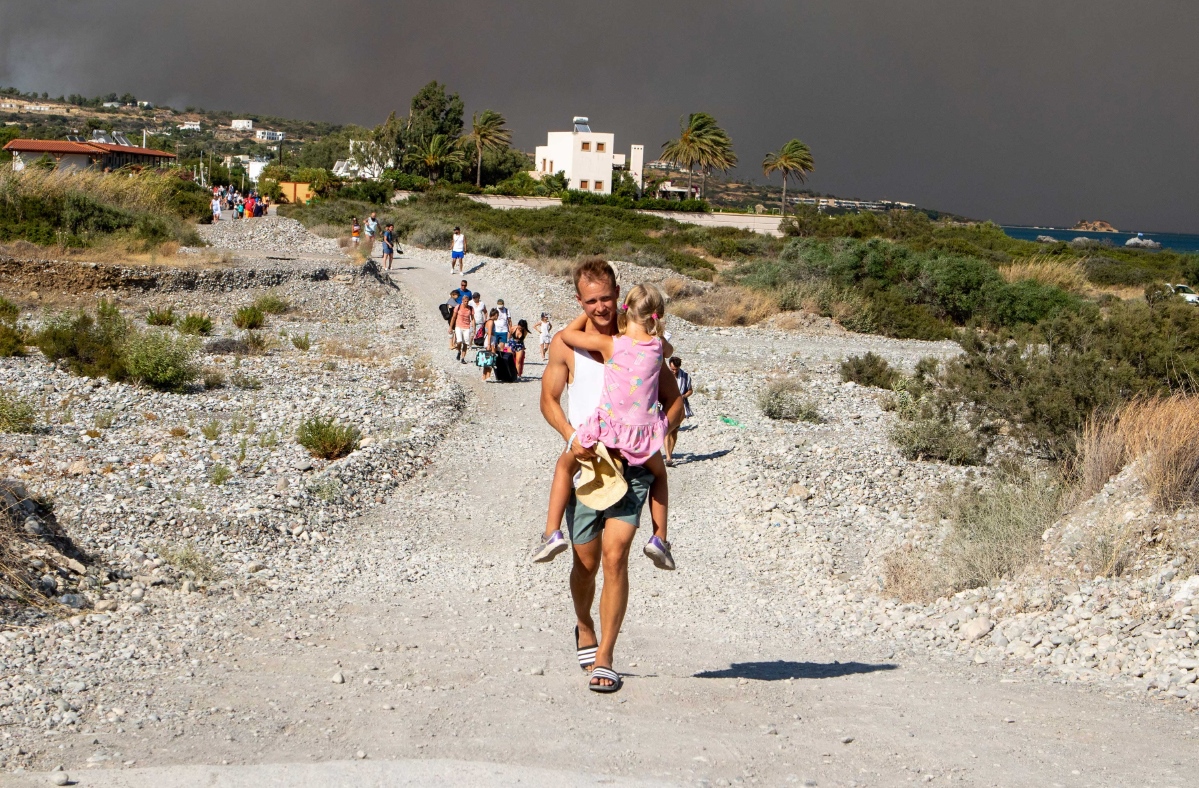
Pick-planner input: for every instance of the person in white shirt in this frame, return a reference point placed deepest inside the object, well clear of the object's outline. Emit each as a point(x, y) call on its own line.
point(480, 308)
point(502, 321)
point(545, 329)
point(216, 208)
point(458, 250)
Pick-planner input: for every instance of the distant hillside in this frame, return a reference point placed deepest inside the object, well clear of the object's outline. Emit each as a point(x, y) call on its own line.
point(44, 118)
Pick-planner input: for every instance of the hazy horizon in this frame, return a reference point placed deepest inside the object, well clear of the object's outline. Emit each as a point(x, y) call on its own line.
point(1024, 114)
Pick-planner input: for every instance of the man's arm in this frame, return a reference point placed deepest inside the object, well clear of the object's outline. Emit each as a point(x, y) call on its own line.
point(553, 383)
point(668, 395)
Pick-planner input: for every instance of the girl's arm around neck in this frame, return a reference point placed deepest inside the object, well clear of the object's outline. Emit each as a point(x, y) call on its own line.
point(578, 339)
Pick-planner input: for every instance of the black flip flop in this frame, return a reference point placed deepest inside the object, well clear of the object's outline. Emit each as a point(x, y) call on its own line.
point(604, 673)
point(586, 655)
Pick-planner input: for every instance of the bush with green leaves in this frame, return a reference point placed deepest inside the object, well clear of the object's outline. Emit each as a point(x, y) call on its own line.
point(86, 344)
point(196, 324)
point(1040, 385)
point(17, 414)
point(939, 439)
point(12, 339)
point(301, 341)
point(161, 317)
point(161, 359)
point(272, 304)
point(249, 318)
point(783, 400)
point(323, 437)
point(870, 369)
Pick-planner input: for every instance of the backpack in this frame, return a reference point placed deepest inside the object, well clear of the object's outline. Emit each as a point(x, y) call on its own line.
point(446, 312)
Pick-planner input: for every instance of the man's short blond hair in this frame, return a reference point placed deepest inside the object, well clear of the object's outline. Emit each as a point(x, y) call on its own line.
point(596, 269)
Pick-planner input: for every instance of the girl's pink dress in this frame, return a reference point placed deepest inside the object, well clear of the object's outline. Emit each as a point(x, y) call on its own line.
point(629, 417)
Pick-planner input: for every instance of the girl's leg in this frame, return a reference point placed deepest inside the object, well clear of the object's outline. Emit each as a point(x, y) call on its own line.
point(564, 474)
point(659, 495)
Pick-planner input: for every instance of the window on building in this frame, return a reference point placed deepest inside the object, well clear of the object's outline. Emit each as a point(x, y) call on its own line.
point(599, 186)
point(586, 146)
point(543, 165)
point(599, 147)
point(583, 184)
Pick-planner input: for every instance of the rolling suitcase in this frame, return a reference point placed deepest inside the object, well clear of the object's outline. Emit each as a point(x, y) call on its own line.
point(505, 368)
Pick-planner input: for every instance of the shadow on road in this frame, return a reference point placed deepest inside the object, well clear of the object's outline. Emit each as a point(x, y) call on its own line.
point(780, 670)
point(686, 458)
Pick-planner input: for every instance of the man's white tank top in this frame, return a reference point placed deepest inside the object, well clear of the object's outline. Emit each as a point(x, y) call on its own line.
point(585, 390)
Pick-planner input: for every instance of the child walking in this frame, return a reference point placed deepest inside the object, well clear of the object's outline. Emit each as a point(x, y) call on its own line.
point(628, 419)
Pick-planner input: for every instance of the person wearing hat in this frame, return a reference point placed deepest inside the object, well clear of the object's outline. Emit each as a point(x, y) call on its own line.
point(458, 250)
point(599, 537)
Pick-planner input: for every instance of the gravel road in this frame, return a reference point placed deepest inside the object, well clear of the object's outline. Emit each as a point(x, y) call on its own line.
point(426, 636)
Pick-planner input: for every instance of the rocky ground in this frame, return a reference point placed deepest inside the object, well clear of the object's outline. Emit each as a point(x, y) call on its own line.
point(403, 620)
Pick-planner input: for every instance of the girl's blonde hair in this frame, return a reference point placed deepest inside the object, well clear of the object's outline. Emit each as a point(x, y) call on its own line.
point(646, 306)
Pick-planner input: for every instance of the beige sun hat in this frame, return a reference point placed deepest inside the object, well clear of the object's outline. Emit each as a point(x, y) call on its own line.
point(601, 480)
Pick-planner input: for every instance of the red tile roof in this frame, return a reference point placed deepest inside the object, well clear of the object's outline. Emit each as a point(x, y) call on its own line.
point(130, 149)
point(86, 148)
point(50, 146)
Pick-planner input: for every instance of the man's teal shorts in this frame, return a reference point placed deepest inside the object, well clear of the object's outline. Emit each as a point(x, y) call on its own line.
point(584, 523)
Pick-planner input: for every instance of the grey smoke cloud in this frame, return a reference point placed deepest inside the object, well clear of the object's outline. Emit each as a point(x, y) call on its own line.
point(1022, 111)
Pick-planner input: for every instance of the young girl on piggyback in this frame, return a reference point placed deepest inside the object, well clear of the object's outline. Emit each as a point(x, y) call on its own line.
point(628, 419)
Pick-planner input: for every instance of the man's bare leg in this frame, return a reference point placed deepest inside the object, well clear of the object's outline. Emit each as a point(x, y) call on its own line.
point(616, 541)
point(582, 587)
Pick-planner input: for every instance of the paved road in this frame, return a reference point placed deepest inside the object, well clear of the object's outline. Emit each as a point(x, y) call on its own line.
point(473, 659)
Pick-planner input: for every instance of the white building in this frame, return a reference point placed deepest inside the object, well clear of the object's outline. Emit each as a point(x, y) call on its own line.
point(269, 136)
point(190, 125)
point(255, 167)
point(113, 104)
point(586, 157)
point(38, 108)
point(9, 105)
point(242, 125)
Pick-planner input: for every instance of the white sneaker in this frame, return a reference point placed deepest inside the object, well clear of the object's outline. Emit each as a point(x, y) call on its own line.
point(550, 547)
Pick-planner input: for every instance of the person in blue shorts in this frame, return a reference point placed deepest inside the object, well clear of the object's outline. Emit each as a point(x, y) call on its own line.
point(389, 243)
point(458, 250)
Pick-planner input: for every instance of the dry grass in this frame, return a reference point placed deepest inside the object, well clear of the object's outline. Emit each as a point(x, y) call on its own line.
point(556, 267)
point(727, 305)
point(912, 575)
point(1047, 270)
point(1101, 455)
point(148, 190)
point(677, 287)
point(1162, 434)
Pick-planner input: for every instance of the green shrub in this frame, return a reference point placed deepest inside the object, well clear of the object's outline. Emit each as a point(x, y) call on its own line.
point(433, 234)
point(869, 370)
point(937, 439)
point(257, 343)
point(161, 317)
point(12, 339)
point(782, 400)
point(1041, 385)
point(271, 304)
point(219, 474)
point(323, 437)
point(489, 246)
point(1026, 301)
point(894, 316)
point(247, 382)
point(249, 317)
point(196, 323)
point(87, 345)
point(17, 414)
point(301, 342)
point(211, 430)
point(1106, 271)
point(161, 359)
point(213, 379)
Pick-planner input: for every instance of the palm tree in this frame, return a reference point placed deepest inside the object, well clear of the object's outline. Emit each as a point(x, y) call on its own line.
point(687, 151)
point(793, 160)
point(434, 154)
point(487, 132)
point(718, 156)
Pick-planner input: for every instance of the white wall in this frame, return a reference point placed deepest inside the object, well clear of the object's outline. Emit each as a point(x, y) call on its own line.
point(564, 152)
point(242, 125)
point(67, 161)
point(637, 165)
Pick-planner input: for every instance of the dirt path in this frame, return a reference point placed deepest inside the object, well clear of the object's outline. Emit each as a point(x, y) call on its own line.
point(452, 646)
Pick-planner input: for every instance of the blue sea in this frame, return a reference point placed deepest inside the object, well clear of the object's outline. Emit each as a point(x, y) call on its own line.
point(1179, 242)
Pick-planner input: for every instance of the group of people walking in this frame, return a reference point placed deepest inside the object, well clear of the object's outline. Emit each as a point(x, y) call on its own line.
point(374, 230)
point(242, 205)
point(498, 339)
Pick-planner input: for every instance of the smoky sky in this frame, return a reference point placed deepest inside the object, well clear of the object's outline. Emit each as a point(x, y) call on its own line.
point(1021, 111)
